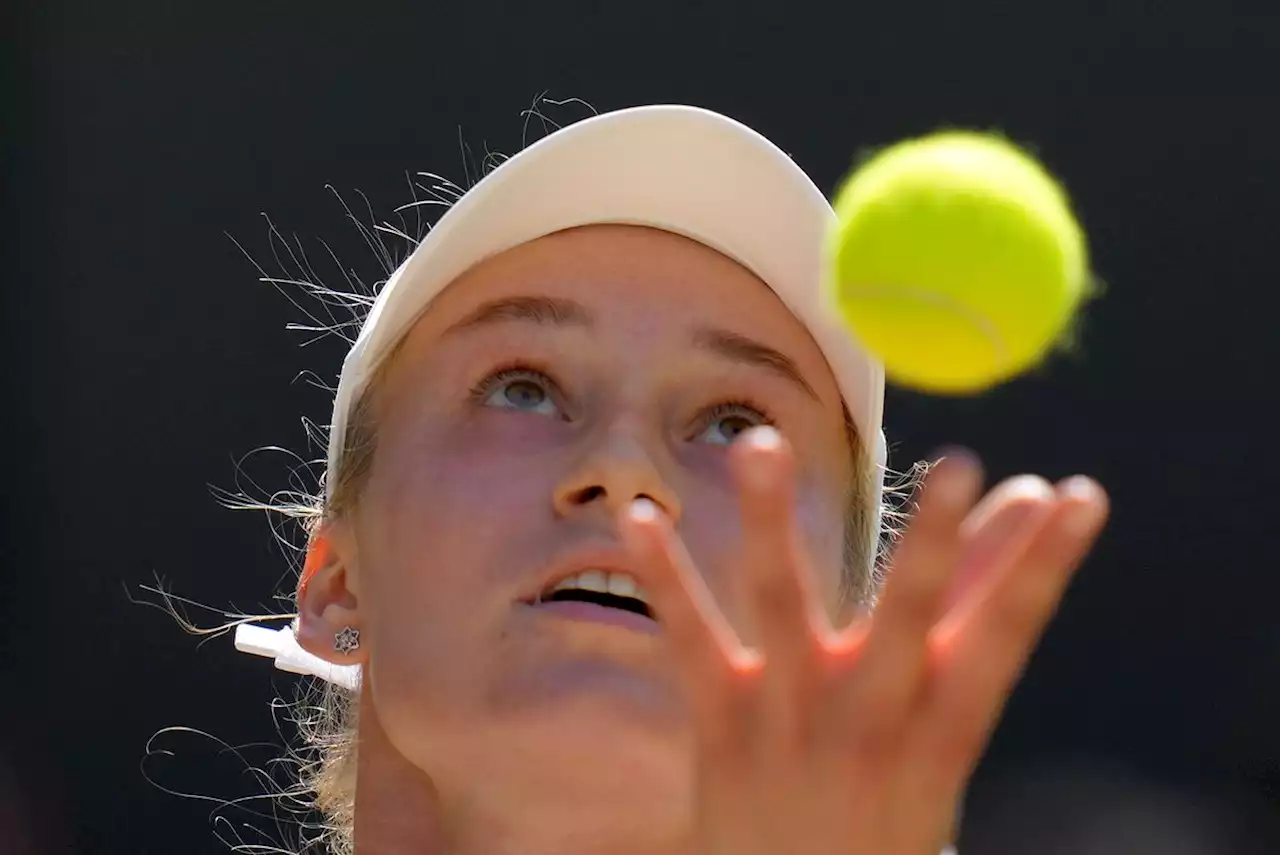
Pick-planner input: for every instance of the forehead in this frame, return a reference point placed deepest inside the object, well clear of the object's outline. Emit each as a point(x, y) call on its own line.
point(653, 282)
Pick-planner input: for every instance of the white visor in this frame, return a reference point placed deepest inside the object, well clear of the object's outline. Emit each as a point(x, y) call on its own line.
point(679, 169)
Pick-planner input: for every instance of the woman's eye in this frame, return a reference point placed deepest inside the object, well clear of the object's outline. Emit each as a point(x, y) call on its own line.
point(526, 391)
point(727, 422)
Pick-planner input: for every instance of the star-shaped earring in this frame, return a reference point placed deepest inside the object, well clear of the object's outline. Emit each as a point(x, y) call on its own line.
point(346, 640)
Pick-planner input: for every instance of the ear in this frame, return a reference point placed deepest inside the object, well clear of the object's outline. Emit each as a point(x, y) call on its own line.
point(328, 604)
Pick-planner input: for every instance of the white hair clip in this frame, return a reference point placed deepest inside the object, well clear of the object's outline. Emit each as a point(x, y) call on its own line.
point(282, 646)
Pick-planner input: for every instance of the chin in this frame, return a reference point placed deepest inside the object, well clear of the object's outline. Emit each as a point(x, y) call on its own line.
point(573, 746)
point(579, 698)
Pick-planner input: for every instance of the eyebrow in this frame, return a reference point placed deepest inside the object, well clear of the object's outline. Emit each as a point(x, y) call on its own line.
point(739, 348)
point(545, 311)
point(560, 312)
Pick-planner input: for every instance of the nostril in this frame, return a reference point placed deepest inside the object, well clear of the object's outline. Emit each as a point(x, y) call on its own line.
point(589, 494)
point(595, 493)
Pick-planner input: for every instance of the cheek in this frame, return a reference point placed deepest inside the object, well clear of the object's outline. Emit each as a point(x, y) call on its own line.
point(448, 525)
point(820, 520)
point(470, 481)
point(444, 513)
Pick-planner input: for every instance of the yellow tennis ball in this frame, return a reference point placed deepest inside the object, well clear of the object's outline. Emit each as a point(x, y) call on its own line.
point(956, 260)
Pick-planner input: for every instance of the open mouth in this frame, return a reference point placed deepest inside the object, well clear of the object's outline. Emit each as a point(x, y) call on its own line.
point(607, 588)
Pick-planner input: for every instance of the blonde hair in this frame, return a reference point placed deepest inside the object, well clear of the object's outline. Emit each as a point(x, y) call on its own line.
point(326, 715)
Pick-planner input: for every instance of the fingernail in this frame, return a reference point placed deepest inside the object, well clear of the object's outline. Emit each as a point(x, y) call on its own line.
point(953, 452)
point(1087, 502)
point(1028, 487)
point(643, 511)
point(957, 480)
point(1013, 503)
point(760, 471)
point(764, 438)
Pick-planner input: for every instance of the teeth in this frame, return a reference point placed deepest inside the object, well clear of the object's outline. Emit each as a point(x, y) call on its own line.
point(594, 580)
point(604, 582)
point(621, 585)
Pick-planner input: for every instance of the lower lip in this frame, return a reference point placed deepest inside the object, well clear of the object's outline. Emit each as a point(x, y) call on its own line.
point(592, 613)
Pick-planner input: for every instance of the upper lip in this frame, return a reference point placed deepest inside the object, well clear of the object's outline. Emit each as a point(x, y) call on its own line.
point(609, 557)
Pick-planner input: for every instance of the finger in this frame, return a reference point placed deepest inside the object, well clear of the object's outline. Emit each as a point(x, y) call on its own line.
point(998, 530)
point(777, 582)
point(892, 662)
point(785, 611)
point(708, 654)
point(985, 642)
point(995, 535)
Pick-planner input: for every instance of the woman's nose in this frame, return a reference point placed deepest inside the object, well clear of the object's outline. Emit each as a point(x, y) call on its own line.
point(615, 472)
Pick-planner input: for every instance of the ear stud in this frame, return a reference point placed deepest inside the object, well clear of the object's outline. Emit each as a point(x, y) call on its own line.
point(346, 640)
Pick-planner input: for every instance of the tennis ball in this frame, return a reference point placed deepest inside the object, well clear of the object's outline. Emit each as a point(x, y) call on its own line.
point(956, 260)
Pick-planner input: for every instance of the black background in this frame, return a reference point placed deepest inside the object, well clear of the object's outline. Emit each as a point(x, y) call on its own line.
point(144, 359)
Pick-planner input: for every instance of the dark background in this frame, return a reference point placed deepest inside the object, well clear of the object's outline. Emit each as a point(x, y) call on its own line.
point(145, 359)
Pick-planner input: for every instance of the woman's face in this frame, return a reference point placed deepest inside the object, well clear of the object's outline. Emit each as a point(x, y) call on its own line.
point(542, 392)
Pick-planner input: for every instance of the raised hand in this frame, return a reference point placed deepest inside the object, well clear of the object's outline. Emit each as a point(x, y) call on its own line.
point(860, 740)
